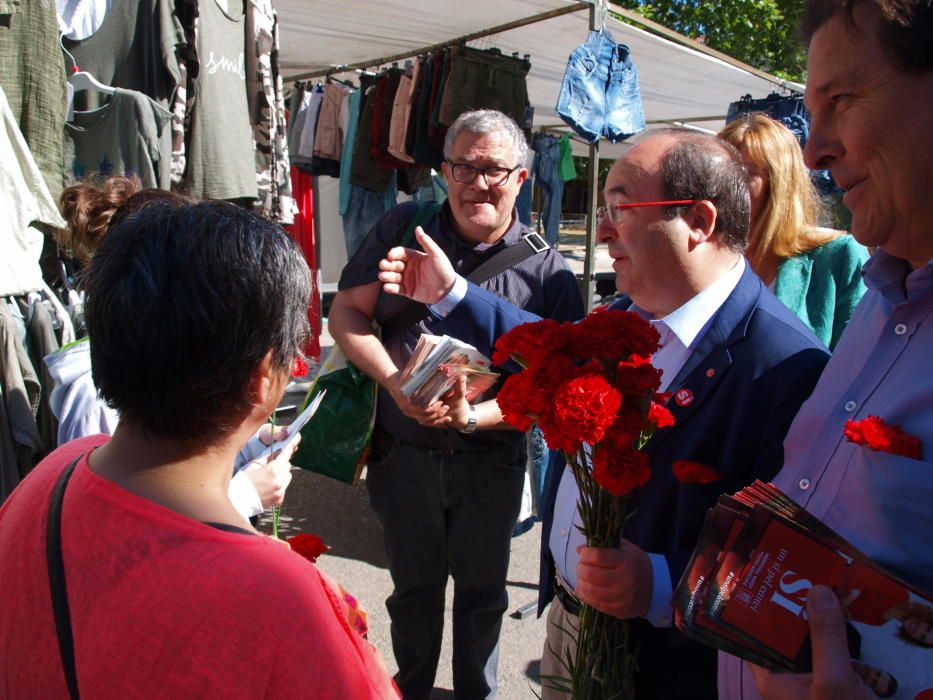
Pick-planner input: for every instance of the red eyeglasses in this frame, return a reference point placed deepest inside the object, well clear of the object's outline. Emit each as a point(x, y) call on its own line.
point(615, 211)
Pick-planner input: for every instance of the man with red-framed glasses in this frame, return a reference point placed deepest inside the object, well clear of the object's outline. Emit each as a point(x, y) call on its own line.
point(737, 362)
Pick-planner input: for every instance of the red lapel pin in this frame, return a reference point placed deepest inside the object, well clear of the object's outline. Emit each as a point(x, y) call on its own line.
point(683, 397)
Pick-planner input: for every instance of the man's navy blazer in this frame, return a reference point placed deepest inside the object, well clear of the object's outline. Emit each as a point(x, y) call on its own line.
point(743, 384)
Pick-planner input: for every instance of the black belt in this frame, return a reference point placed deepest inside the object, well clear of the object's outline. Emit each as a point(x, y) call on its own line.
point(570, 602)
point(385, 435)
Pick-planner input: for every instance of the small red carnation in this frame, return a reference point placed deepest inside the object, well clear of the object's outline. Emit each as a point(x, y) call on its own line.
point(555, 439)
point(531, 344)
point(308, 546)
point(637, 376)
point(659, 416)
point(875, 434)
point(690, 472)
point(299, 367)
point(617, 466)
point(522, 398)
point(613, 334)
point(585, 407)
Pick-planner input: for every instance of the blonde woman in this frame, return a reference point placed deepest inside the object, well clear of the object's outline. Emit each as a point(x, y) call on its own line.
point(815, 271)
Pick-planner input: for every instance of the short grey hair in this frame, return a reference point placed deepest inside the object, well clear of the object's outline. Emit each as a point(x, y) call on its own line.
point(488, 121)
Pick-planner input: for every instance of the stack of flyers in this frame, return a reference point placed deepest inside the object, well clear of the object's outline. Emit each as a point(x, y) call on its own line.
point(745, 590)
point(436, 365)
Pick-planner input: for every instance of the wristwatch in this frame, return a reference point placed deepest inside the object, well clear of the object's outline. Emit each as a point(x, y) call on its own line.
point(470, 427)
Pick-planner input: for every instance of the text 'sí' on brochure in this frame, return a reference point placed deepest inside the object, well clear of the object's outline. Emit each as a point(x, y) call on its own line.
point(745, 590)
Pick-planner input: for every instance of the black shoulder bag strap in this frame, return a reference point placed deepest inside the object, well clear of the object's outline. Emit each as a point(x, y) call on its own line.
point(56, 566)
point(531, 244)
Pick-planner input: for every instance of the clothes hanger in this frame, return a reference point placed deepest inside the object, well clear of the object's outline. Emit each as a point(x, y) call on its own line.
point(82, 80)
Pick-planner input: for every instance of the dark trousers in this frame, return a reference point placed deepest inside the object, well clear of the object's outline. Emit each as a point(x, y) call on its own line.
point(445, 513)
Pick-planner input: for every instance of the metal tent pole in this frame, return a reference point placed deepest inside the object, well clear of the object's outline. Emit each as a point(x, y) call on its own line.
point(589, 261)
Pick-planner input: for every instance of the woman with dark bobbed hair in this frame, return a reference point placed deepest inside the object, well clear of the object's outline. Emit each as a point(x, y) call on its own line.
point(90, 208)
point(127, 572)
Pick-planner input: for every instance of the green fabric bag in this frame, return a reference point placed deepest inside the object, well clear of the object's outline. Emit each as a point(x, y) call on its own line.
point(335, 442)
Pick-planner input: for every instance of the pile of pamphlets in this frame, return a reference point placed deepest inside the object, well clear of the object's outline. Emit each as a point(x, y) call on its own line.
point(436, 365)
point(745, 589)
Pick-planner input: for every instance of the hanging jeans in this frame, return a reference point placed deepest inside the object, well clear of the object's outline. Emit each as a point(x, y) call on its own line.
point(599, 95)
point(364, 210)
point(550, 183)
point(524, 201)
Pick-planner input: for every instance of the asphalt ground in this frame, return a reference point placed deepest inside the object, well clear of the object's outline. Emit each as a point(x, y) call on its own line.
point(341, 515)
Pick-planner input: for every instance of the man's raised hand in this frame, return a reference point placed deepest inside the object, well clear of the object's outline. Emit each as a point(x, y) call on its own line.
point(426, 277)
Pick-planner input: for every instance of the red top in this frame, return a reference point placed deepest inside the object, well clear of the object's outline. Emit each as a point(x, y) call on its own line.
point(164, 606)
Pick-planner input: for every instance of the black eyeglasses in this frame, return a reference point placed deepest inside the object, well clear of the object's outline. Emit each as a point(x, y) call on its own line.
point(464, 173)
point(614, 211)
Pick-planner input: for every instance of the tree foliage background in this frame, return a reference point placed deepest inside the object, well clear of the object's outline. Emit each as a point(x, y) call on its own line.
point(762, 33)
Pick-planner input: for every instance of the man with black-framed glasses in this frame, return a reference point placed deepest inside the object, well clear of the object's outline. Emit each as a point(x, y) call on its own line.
point(738, 365)
point(446, 483)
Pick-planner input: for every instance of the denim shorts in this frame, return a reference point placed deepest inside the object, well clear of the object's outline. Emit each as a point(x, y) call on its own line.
point(599, 95)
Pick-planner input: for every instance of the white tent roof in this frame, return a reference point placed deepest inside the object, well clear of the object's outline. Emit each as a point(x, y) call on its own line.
point(678, 83)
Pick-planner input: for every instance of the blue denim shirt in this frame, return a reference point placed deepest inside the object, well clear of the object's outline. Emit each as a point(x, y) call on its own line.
point(881, 503)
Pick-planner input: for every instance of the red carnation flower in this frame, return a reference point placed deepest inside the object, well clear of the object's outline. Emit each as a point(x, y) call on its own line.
point(631, 417)
point(585, 407)
point(308, 546)
point(659, 416)
point(299, 367)
point(553, 435)
point(613, 334)
point(617, 466)
point(523, 397)
point(531, 344)
point(689, 472)
point(637, 376)
point(875, 434)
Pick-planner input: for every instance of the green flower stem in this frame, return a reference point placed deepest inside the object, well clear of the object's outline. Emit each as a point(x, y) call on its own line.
point(603, 666)
point(275, 509)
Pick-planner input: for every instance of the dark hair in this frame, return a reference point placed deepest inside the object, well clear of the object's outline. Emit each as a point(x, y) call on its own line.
point(699, 166)
point(183, 305)
point(905, 33)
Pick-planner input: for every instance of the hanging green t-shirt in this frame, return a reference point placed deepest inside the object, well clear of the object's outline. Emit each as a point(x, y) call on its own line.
point(130, 135)
point(222, 155)
point(565, 166)
point(32, 74)
point(134, 48)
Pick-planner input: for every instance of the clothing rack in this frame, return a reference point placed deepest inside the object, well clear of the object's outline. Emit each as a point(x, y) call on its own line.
point(540, 17)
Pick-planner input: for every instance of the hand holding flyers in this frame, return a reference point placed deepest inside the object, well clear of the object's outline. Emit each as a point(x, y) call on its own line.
point(833, 676)
point(294, 428)
point(756, 587)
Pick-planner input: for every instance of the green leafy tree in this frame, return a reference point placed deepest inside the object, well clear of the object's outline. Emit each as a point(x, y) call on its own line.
point(762, 33)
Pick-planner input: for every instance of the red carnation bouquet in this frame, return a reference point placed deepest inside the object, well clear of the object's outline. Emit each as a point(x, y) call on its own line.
point(591, 388)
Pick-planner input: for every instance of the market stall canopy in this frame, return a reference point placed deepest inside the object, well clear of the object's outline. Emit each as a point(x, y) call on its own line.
point(680, 84)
